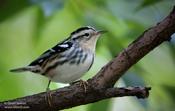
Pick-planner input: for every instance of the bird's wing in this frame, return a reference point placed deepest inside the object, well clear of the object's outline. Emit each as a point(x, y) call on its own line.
point(56, 50)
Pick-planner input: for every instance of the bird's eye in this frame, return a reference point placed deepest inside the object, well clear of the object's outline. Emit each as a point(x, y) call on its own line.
point(86, 34)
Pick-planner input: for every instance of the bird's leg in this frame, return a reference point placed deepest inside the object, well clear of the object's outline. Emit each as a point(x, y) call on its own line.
point(82, 83)
point(48, 94)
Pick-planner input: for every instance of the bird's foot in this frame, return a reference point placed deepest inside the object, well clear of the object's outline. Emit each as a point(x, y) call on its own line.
point(48, 97)
point(82, 83)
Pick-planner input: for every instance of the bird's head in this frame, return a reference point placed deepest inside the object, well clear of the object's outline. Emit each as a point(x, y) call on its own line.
point(87, 37)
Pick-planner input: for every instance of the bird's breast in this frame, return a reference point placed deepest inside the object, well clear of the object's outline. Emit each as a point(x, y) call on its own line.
point(73, 69)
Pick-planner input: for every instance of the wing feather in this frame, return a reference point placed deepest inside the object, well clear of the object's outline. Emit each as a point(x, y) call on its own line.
point(59, 48)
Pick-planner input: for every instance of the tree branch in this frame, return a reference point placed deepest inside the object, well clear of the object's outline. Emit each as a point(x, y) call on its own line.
point(145, 43)
point(68, 97)
point(101, 85)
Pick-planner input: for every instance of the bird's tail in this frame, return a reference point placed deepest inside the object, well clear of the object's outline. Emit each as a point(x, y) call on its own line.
point(23, 69)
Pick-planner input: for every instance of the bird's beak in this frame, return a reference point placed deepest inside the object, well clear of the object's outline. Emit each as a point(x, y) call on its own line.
point(101, 32)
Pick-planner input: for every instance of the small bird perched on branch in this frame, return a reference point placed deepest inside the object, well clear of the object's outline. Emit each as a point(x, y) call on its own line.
point(67, 61)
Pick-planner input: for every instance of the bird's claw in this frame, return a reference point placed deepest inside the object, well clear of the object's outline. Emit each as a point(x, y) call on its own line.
point(82, 83)
point(48, 97)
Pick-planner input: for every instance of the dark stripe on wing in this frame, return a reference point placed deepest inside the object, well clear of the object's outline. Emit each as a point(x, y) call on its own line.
point(51, 52)
point(71, 59)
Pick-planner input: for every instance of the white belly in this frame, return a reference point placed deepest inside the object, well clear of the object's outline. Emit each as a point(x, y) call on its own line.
point(68, 73)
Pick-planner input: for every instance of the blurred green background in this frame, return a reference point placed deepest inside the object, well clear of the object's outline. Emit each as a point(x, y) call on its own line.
point(29, 27)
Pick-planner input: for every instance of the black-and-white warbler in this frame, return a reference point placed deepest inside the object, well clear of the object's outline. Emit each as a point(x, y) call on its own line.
point(68, 60)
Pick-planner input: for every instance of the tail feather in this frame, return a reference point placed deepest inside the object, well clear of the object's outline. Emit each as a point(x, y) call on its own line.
point(23, 69)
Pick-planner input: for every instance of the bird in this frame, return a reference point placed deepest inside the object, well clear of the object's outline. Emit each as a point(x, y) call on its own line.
point(68, 60)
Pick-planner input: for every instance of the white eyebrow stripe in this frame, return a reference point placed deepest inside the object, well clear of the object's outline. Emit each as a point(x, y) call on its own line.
point(91, 27)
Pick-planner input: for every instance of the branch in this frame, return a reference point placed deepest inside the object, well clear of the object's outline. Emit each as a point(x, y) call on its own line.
point(65, 98)
point(145, 43)
point(101, 85)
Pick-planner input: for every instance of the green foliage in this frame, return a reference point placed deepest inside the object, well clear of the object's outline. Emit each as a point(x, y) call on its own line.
point(146, 3)
point(10, 7)
point(25, 32)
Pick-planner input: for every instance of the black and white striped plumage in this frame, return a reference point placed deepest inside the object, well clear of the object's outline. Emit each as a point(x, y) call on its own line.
point(68, 60)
